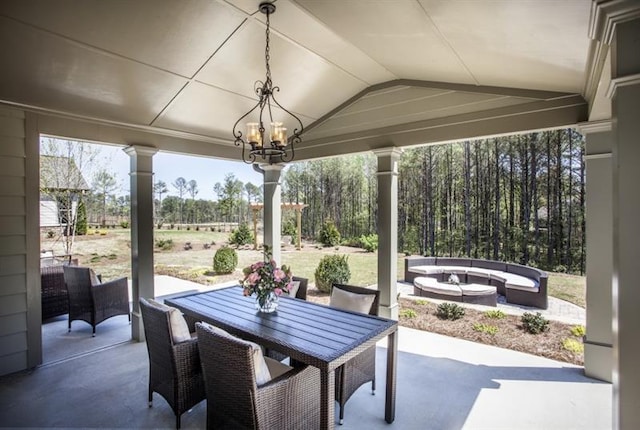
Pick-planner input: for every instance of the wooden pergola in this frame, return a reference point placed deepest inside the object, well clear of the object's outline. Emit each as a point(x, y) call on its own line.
point(257, 207)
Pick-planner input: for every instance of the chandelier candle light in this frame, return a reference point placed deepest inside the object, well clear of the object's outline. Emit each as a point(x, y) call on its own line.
point(277, 147)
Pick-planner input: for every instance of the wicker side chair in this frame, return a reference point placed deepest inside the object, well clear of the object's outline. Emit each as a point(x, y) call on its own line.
point(361, 368)
point(174, 368)
point(235, 401)
point(92, 301)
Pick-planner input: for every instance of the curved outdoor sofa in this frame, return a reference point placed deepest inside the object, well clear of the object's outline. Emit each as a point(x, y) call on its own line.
point(521, 285)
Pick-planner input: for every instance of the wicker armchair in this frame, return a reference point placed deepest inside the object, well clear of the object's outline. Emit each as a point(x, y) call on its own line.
point(234, 401)
point(362, 368)
point(174, 368)
point(92, 301)
point(55, 300)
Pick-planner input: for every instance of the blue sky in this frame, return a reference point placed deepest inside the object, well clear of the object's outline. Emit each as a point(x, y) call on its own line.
point(168, 167)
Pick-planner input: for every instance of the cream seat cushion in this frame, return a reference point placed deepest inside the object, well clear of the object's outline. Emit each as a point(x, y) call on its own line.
point(179, 328)
point(265, 368)
point(426, 270)
point(432, 285)
point(519, 282)
point(349, 301)
point(477, 290)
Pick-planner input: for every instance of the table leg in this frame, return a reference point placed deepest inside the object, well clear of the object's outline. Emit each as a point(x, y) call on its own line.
point(327, 399)
point(392, 355)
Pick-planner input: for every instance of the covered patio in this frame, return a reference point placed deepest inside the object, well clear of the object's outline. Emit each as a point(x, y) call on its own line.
point(363, 77)
point(445, 383)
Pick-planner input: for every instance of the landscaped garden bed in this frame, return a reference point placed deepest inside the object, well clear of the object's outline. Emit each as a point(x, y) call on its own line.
point(109, 254)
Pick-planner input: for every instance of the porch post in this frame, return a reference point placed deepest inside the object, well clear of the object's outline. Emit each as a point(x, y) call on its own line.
point(625, 102)
point(272, 210)
point(598, 343)
point(141, 172)
point(388, 230)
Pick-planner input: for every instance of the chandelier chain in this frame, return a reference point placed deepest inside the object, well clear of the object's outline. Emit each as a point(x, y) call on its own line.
point(267, 57)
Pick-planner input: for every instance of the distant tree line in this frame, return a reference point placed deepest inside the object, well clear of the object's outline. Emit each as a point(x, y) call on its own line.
point(517, 198)
point(232, 204)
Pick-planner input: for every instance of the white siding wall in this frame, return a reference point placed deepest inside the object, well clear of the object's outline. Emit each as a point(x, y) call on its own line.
point(13, 242)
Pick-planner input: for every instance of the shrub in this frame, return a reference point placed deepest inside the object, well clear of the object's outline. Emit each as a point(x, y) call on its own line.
point(534, 324)
point(124, 224)
point(225, 260)
point(206, 245)
point(560, 269)
point(188, 228)
point(159, 226)
point(197, 228)
point(329, 234)
point(289, 229)
point(495, 314)
point(422, 302)
point(485, 328)
point(449, 311)
point(353, 242)
point(81, 223)
point(332, 269)
point(112, 256)
point(241, 236)
point(171, 226)
point(50, 234)
point(578, 330)
point(573, 345)
point(370, 242)
point(164, 244)
point(187, 246)
point(408, 313)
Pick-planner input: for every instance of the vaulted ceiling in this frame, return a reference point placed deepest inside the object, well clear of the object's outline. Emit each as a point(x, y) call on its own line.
point(360, 74)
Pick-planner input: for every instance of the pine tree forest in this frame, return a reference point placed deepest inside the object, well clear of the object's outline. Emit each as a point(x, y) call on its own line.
point(516, 198)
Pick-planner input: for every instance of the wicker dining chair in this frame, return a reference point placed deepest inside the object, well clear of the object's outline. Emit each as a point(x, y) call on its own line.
point(236, 401)
point(93, 301)
point(361, 368)
point(302, 289)
point(174, 367)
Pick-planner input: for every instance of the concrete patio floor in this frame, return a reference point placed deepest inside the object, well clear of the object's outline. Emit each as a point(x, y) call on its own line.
point(443, 383)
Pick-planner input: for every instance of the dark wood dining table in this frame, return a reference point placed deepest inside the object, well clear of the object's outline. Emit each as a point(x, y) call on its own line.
point(311, 333)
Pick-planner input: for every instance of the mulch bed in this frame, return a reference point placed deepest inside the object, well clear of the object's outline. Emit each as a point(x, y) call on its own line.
point(509, 335)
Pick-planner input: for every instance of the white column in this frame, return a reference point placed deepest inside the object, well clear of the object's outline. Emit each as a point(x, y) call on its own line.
point(625, 94)
point(141, 172)
point(272, 210)
point(388, 159)
point(598, 343)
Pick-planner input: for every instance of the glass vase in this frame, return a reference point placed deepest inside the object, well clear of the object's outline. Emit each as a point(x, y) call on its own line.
point(267, 303)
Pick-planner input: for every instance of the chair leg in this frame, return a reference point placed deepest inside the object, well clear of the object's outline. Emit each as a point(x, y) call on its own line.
point(94, 332)
point(177, 422)
point(150, 397)
point(69, 326)
point(373, 387)
point(341, 415)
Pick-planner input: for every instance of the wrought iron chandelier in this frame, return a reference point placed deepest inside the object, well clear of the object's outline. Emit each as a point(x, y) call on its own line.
point(273, 146)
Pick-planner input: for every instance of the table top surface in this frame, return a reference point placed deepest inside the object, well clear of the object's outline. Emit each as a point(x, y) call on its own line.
point(315, 334)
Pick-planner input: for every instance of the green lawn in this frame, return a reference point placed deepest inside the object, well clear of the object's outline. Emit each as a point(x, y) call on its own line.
point(109, 253)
